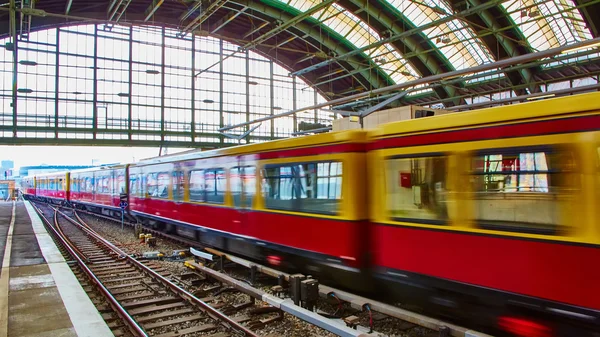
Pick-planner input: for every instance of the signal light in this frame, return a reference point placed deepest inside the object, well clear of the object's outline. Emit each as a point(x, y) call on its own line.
point(274, 260)
point(523, 327)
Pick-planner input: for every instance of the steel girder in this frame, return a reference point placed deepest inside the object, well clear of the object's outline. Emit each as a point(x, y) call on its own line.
point(425, 63)
point(497, 31)
point(315, 32)
point(591, 15)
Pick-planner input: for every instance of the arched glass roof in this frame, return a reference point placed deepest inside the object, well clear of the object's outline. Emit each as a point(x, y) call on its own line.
point(343, 47)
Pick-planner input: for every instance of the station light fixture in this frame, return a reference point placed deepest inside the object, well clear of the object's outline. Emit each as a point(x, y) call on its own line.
point(152, 72)
point(28, 63)
point(276, 108)
point(24, 90)
point(252, 82)
point(77, 93)
point(123, 94)
point(208, 101)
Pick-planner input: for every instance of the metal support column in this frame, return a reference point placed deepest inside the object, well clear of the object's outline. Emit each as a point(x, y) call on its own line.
point(295, 103)
point(13, 33)
point(272, 89)
point(162, 86)
point(193, 112)
point(221, 119)
point(316, 97)
point(247, 92)
point(95, 84)
point(56, 83)
point(130, 91)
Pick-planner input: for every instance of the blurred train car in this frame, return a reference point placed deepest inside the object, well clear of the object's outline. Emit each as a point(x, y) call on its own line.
point(98, 189)
point(50, 187)
point(308, 204)
point(493, 214)
point(28, 186)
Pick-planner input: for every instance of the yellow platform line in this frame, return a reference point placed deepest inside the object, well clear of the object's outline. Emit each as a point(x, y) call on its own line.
point(4, 277)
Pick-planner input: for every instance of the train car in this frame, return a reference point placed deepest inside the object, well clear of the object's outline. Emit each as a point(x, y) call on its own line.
point(28, 187)
point(274, 201)
point(98, 189)
point(493, 214)
point(52, 187)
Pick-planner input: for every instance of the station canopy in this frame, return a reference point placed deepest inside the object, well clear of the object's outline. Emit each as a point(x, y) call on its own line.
point(346, 47)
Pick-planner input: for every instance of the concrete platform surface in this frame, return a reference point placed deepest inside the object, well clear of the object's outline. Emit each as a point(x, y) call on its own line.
point(39, 295)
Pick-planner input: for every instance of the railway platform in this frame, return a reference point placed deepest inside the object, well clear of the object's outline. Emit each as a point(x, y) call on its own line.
point(39, 294)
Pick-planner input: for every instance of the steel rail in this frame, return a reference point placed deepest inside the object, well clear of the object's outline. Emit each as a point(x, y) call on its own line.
point(425, 80)
point(130, 321)
point(359, 302)
point(71, 244)
point(212, 312)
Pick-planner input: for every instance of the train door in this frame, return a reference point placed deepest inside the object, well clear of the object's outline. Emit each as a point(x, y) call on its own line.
point(242, 184)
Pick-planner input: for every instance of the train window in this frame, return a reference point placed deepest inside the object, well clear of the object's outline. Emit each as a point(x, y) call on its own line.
point(307, 187)
point(524, 189)
point(158, 184)
point(60, 186)
point(134, 185)
point(197, 186)
point(178, 188)
point(52, 184)
point(243, 183)
point(416, 189)
point(74, 184)
point(215, 185)
point(120, 184)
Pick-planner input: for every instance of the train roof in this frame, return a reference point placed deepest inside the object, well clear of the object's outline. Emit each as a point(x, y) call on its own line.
point(351, 136)
point(531, 110)
point(99, 168)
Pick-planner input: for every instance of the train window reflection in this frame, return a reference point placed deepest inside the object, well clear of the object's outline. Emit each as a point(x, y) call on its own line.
point(215, 185)
point(134, 184)
point(416, 189)
point(178, 188)
point(243, 182)
point(523, 190)
point(158, 184)
point(197, 186)
point(307, 187)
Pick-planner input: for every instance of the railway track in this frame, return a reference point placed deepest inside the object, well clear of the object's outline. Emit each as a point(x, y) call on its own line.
point(405, 322)
point(146, 301)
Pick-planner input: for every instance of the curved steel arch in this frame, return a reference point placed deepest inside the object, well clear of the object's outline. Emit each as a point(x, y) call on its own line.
point(425, 63)
point(496, 30)
point(312, 29)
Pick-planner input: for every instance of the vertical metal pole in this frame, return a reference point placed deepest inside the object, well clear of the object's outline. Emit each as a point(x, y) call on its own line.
point(248, 93)
point(193, 112)
point(130, 103)
point(122, 218)
point(13, 31)
point(162, 88)
point(56, 84)
point(294, 99)
point(221, 118)
point(95, 84)
point(271, 84)
point(315, 101)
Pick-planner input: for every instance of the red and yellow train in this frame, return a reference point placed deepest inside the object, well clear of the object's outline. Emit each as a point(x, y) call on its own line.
point(489, 216)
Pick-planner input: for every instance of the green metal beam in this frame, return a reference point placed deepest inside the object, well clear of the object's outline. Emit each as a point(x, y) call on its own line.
point(321, 33)
point(510, 48)
point(427, 64)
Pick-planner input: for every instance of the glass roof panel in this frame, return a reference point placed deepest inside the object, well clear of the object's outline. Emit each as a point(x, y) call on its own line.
point(360, 35)
point(548, 24)
point(454, 39)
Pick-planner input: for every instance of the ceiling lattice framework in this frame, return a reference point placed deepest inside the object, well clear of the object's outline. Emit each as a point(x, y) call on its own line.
point(349, 46)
